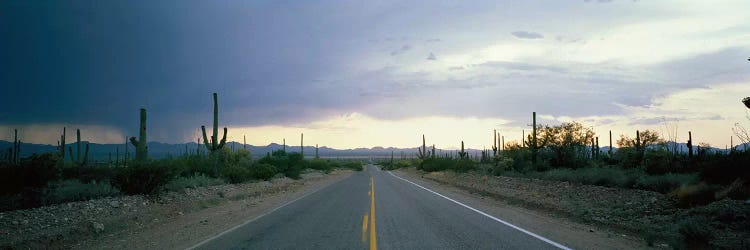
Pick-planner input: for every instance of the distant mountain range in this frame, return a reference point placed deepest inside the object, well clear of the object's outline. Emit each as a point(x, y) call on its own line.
point(158, 150)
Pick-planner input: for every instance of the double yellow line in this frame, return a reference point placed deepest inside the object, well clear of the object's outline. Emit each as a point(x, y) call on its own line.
point(373, 239)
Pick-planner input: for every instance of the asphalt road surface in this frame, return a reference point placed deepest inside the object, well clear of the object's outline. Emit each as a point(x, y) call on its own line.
point(376, 209)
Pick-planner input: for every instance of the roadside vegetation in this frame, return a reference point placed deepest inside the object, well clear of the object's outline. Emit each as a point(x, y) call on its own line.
point(52, 178)
point(692, 177)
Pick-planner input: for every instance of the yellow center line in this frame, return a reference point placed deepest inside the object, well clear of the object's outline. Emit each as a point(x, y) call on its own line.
point(364, 228)
point(373, 239)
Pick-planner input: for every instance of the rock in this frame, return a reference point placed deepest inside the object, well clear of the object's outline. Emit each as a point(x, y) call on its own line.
point(97, 227)
point(114, 204)
point(15, 222)
point(591, 230)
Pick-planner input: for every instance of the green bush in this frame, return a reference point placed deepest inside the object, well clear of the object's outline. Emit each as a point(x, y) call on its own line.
point(353, 165)
point(664, 183)
point(694, 233)
point(140, 178)
point(320, 164)
point(657, 161)
point(75, 190)
point(235, 174)
point(464, 165)
point(197, 180)
point(87, 174)
point(33, 172)
point(262, 171)
point(694, 195)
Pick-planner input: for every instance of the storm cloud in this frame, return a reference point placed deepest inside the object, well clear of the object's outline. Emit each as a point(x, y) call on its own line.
point(286, 64)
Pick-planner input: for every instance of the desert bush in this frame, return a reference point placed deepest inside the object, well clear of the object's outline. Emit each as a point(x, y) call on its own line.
point(87, 174)
point(464, 165)
point(76, 190)
point(725, 169)
point(664, 183)
point(437, 164)
point(694, 195)
point(33, 172)
point(235, 173)
point(353, 165)
point(693, 233)
point(197, 180)
point(657, 161)
point(262, 171)
point(320, 164)
point(140, 178)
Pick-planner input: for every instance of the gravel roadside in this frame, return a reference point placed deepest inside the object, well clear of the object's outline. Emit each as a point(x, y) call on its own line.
point(172, 220)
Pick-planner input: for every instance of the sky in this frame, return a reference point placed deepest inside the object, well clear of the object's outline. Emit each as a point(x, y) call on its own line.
point(354, 74)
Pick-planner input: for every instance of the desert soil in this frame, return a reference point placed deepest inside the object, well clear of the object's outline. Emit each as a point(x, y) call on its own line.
point(173, 220)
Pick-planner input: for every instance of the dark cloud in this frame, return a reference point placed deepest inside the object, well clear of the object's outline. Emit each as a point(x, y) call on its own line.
point(527, 35)
point(523, 66)
point(401, 50)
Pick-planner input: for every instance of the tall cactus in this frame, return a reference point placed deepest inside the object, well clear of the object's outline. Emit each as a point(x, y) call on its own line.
point(423, 154)
point(78, 160)
point(610, 144)
point(533, 140)
point(463, 154)
point(494, 143)
point(316, 152)
point(690, 145)
point(214, 145)
point(61, 148)
point(302, 144)
point(15, 152)
point(141, 146)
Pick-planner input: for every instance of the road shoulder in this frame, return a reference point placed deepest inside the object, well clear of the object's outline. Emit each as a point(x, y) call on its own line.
point(563, 230)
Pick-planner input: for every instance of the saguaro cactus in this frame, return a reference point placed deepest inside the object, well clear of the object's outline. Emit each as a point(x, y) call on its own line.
point(316, 152)
point(215, 145)
point(463, 154)
point(61, 148)
point(533, 140)
point(609, 152)
point(78, 160)
point(690, 145)
point(302, 144)
point(494, 143)
point(423, 154)
point(141, 147)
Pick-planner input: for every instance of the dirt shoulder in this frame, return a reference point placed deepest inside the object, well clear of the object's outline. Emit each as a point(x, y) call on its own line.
point(529, 204)
point(173, 220)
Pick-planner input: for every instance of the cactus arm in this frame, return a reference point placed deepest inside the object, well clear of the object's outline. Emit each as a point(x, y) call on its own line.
point(86, 155)
point(223, 140)
point(205, 139)
point(134, 141)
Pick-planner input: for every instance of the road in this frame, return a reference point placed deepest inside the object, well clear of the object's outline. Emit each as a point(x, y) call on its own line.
point(375, 209)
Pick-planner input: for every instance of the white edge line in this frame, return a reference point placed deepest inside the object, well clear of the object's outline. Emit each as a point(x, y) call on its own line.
point(258, 217)
point(558, 245)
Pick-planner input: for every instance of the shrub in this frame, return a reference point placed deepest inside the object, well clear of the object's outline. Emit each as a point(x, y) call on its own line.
point(33, 172)
point(75, 190)
point(657, 161)
point(353, 165)
point(694, 233)
point(437, 164)
point(320, 164)
point(694, 195)
point(664, 183)
point(140, 178)
point(197, 180)
point(262, 171)
point(235, 173)
point(463, 166)
point(87, 174)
